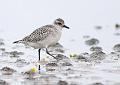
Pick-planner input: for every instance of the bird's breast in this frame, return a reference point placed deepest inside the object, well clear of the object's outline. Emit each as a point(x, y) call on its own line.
point(52, 39)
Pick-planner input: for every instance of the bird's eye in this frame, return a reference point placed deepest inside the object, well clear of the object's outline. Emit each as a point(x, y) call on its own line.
point(59, 23)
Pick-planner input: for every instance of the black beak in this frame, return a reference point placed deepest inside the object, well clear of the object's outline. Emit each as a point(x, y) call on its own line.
point(66, 26)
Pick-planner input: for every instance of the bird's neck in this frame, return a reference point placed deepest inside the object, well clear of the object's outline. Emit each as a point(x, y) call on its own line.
point(58, 27)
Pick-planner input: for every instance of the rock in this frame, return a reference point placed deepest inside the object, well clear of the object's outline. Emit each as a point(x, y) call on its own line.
point(53, 64)
point(86, 36)
point(82, 58)
point(97, 56)
point(61, 57)
point(97, 83)
point(117, 26)
point(2, 49)
point(50, 69)
point(116, 48)
point(96, 49)
point(2, 82)
point(92, 41)
point(7, 71)
point(98, 27)
point(117, 34)
point(2, 43)
point(15, 53)
point(62, 83)
point(66, 64)
point(60, 50)
point(57, 48)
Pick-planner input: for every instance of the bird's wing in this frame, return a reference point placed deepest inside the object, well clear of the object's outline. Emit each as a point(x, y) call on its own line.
point(39, 34)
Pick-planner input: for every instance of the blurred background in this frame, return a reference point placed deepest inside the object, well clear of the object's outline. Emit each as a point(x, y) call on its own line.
point(19, 18)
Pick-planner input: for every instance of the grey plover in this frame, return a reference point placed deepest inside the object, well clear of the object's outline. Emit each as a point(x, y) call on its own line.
point(45, 36)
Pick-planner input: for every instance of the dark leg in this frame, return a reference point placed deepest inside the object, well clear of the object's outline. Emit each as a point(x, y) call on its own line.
point(49, 53)
point(39, 57)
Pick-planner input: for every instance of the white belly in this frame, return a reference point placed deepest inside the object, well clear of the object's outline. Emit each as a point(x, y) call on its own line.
point(50, 40)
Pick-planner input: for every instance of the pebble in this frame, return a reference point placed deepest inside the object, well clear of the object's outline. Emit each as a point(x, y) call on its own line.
point(2, 43)
point(96, 49)
point(52, 64)
point(15, 53)
point(117, 26)
point(2, 49)
point(117, 34)
point(66, 64)
point(86, 36)
point(116, 48)
point(57, 48)
point(98, 27)
point(7, 71)
point(60, 50)
point(92, 41)
point(60, 82)
point(97, 83)
point(61, 57)
point(97, 55)
point(50, 69)
point(2, 82)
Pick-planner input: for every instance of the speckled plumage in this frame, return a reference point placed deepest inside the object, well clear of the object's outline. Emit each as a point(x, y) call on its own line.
point(44, 36)
point(39, 34)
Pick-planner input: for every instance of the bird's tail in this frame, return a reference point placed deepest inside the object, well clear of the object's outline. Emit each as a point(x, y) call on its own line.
point(19, 41)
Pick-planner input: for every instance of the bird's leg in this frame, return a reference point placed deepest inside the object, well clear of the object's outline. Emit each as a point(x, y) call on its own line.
point(49, 53)
point(39, 57)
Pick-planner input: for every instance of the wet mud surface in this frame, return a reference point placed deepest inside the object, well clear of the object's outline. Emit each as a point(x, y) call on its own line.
point(93, 67)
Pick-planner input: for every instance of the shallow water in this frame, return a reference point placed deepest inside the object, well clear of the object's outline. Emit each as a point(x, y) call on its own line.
point(100, 67)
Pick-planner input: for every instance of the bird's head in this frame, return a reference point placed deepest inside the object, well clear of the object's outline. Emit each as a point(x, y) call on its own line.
point(60, 22)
